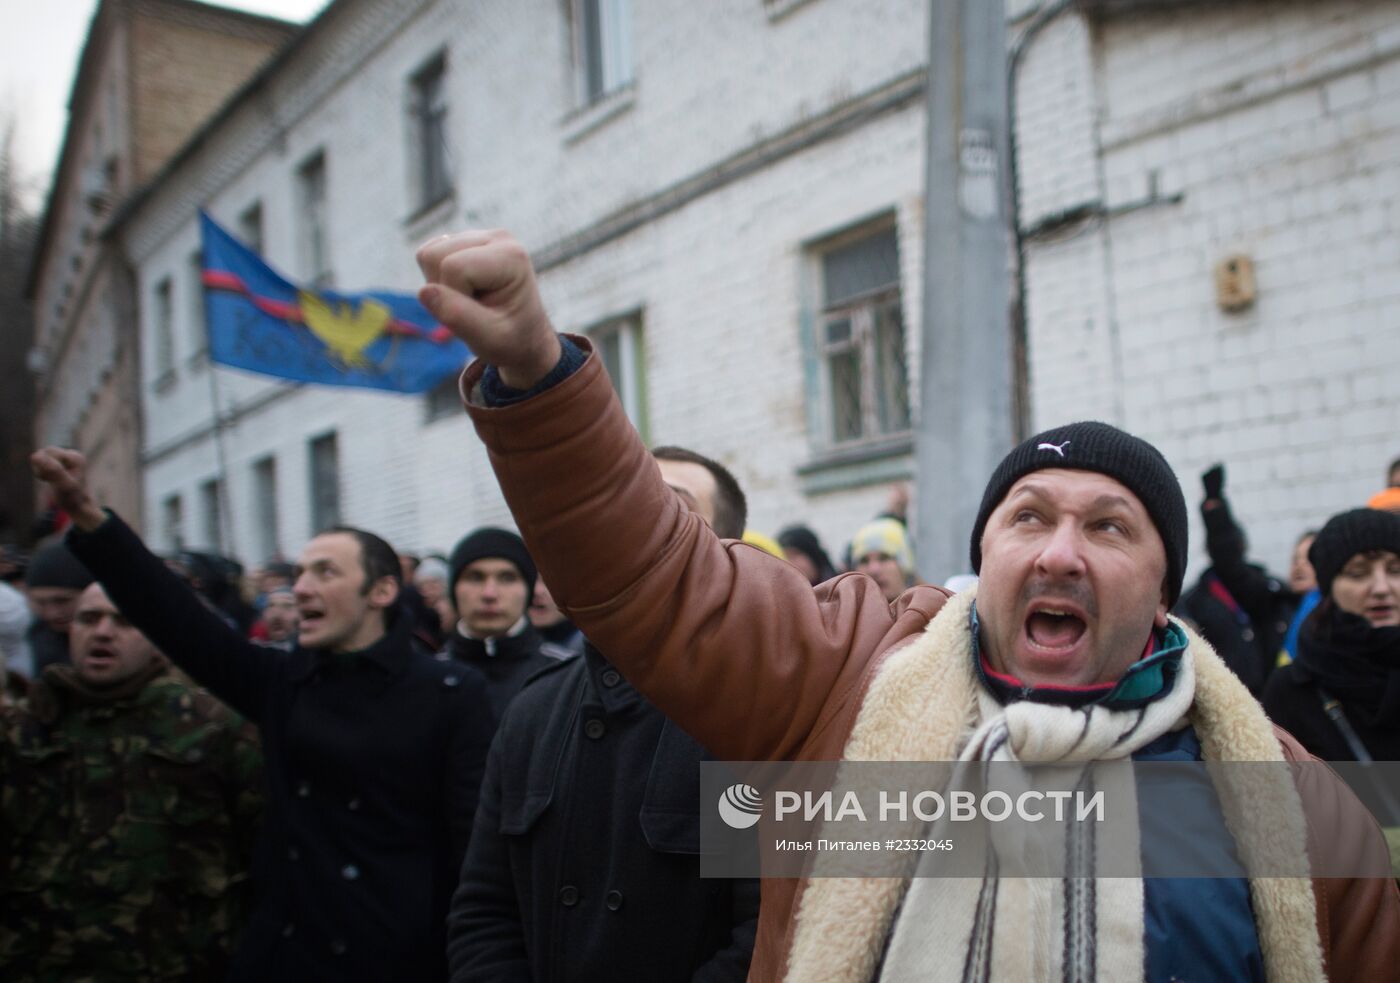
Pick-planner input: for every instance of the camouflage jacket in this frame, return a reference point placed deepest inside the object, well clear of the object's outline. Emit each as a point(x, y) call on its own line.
point(126, 831)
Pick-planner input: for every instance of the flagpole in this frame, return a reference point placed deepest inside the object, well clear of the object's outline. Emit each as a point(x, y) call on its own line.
point(224, 494)
point(222, 491)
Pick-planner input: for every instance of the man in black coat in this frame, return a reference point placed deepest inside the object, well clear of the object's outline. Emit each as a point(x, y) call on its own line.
point(584, 864)
point(373, 752)
point(491, 581)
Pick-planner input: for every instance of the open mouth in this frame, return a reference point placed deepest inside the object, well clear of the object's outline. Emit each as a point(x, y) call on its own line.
point(100, 655)
point(1054, 628)
point(310, 619)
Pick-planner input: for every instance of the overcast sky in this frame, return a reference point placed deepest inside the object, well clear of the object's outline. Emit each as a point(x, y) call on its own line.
point(40, 41)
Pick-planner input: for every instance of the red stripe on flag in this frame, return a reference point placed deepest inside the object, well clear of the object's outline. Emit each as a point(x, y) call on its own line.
point(284, 311)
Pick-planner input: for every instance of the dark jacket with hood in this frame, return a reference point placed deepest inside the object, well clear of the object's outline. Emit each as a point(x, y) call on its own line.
point(584, 864)
point(373, 762)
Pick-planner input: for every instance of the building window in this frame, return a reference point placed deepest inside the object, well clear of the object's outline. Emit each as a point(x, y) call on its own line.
point(311, 182)
point(619, 345)
point(602, 47)
point(250, 227)
point(165, 330)
point(860, 338)
point(211, 500)
point(199, 337)
point(428, 117)
point(172, 521)
point(325, 483)
point(265, 508)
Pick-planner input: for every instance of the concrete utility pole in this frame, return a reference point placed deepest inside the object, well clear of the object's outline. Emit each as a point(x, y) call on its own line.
point(965, 418)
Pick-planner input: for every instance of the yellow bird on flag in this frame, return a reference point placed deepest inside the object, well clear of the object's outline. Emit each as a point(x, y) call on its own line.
point(347, 331)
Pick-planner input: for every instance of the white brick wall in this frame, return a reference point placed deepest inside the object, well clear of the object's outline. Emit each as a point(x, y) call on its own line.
point(719, 279)
point(1280, 123)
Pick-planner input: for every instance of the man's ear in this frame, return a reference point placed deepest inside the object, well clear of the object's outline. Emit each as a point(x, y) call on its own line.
point(384, 592)
point(1159, 620)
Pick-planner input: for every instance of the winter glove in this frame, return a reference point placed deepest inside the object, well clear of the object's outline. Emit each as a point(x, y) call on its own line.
point(1214, 482)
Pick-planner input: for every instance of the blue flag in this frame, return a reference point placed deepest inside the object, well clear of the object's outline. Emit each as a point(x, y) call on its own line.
point(263, 323)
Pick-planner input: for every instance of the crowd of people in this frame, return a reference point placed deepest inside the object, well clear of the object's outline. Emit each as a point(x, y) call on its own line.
point(484, 764)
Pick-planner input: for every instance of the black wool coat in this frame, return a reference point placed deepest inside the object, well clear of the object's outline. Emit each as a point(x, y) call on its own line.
point(584, 863)
point(1291, 700)
point(373, 762)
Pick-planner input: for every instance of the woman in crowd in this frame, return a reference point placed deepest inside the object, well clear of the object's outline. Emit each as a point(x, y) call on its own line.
point(1341, 696)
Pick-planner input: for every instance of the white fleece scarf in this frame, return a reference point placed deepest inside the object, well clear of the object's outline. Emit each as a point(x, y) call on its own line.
point(926, 704)
point(1040, 928)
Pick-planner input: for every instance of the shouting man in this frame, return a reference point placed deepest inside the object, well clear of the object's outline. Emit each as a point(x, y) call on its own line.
point(127, 818)
point(373, 751)
point(1081, 547)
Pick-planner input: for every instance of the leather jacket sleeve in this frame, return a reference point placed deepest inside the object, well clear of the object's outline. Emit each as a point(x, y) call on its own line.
point(731, 643)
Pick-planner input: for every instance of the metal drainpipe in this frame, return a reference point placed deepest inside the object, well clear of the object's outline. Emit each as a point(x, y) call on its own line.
point(1021, 393)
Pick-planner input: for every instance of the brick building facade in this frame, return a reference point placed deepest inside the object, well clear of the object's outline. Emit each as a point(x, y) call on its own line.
point(151, 72)
point(727, 197)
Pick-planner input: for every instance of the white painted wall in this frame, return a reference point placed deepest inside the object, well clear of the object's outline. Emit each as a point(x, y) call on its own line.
point(1279, 123)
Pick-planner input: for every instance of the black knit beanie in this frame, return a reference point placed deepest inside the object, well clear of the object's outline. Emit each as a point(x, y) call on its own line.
point(55, 566)
point(1092, 446)
point(1347, 534)
point(489, 542)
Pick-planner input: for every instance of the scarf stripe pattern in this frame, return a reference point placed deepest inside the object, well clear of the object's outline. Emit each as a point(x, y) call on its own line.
point(924, 704)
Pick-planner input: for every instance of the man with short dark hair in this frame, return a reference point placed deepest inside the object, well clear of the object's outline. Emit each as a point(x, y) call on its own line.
point(374, 752)
point(131, 800)
point(690, 475)
point(604, 883)
point(1063, 652)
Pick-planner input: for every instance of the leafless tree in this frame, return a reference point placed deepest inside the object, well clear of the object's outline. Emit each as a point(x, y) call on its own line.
point(19, 228)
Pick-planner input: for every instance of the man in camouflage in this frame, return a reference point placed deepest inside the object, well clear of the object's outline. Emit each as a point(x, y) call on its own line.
point(127, 816)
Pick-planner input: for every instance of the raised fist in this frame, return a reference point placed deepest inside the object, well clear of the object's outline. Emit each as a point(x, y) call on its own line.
point(481, 286)
point(65, 472)
point(1213, 482)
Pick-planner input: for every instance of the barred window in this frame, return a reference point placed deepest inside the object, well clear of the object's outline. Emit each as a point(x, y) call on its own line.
point(618, 342)
point(164, 330)
point(311, 181)
point(860, 337)
point(172, 522)
point(428, 108)
point(325, 483)
point(250, 227)
point(212, 501)
point(602, 47)
point(265, 506)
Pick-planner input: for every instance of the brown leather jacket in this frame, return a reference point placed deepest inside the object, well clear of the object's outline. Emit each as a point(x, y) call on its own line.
point(735, 645)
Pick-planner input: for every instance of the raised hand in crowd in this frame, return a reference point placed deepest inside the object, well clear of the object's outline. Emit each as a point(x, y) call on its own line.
point(481, 286)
